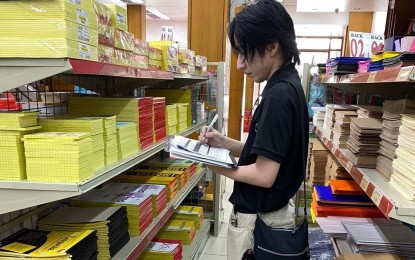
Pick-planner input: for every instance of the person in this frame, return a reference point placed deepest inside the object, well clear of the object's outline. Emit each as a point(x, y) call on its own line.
point(270, 161)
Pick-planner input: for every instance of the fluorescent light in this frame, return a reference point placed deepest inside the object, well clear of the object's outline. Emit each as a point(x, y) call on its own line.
point(159, 14)
point(136, 1)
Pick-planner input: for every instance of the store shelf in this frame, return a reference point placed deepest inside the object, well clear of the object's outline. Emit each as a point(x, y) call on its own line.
point(340, 246)
point(136, 245)
point(386, 197)
point(194, 250)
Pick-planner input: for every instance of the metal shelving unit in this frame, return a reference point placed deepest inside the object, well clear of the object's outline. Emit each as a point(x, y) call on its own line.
point(194, 250)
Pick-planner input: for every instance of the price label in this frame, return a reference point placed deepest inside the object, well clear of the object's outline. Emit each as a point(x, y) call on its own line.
point(83, 34)
point(404, 73)
point(349, 166)
point(82, 17)
point(376, 197)
point(364, 44)
point(84, 51)
point(372, 76)
point(364, 183)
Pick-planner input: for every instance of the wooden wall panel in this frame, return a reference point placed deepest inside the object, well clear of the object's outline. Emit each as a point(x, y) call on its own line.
point(136, 16)
point(358, 22)
point(249, 93)
point(398, 18)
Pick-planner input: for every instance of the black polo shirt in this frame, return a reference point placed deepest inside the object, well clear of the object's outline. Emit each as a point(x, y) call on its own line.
point(275, 133)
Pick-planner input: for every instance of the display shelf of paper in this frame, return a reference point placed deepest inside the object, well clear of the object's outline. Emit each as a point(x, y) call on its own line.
point(159, 118)
point(178, 230)
point(127, 141)
point(174, 164)
point(181, 116)
point(51, 245)
point(319, 155)
point(162, 249)
point(139, 205)
point(335, 170)
point(92, 125)
point(58, 157)
point(171, 116)
point(118, 16)
point(111, 224)
point(341, 129)
point(63, 29)
point(13, 126)
point(190, 213)
point(170, 55)
point(318, 116)
point(330, 116)
point(110, 139)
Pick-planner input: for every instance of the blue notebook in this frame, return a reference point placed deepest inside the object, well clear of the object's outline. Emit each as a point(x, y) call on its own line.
point(325, 196)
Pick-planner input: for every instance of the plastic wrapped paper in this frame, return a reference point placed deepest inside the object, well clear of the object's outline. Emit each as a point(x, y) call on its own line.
point(154, 64)
point(170, 65)
point(187, 57)
point(140, 61)
point(124, 40)
point(155, 54)
point(47, 29)
point(106, 35)
point(141, 47)
point(200, 61)
point(123, 57)
point(183, 68)
point(118, 16)
point(105, 54)
point(103, 13)
point(46, 48)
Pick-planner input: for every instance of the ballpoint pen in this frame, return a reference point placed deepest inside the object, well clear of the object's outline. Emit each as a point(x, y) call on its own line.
point(210, 127)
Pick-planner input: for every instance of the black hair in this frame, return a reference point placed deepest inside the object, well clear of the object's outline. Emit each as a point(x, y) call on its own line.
point(260, 24)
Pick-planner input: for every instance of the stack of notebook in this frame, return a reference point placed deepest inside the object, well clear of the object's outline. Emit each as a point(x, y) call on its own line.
point(110, 139)
point(110, 223)
point(145, 125)
point(370, 112)
point(191, 213)
point(51, 245)
point(13, 126)
point(180, 173)
point(162, 249)
point(392, 110)
point(91, 125)
point(345, 187)
point(318, 117)
point(159, 119)
point(138, 204)
point(182, 117)
point(171, 119)
point(319, 155)
point(178, 230)
point(335, 170)
point(152, 177)
point(341, 129)
point(364, 142)
point(330, 116)
point(127, 140)
point(58, 157)
point(403, 166)
point(175, 164)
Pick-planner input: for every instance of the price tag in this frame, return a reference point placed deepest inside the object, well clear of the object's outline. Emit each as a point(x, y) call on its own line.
point(121, 19)
point(404, 73)
point(372, 76)
point(364, 44)
point(84, 51)
point(364, 183)
point(82, 17)
point(349, 166)
point(83, 34)
point(376, 197)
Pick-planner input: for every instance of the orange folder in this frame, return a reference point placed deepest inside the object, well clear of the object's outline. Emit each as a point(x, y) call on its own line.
point(345, 187)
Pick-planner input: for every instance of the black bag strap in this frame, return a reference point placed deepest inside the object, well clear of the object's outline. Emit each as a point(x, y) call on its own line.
point(302, 129)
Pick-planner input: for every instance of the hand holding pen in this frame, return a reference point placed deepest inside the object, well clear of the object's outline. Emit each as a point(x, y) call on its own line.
point(210, 136)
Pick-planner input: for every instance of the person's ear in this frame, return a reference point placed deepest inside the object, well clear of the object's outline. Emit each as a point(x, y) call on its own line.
point(273, 48)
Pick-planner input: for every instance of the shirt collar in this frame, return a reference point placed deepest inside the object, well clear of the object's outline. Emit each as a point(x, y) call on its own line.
point(282, 73)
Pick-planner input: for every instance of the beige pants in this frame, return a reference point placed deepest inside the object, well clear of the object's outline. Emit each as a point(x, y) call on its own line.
point(241, 238)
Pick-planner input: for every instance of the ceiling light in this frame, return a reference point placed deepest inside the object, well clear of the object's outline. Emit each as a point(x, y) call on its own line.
point(159, 14)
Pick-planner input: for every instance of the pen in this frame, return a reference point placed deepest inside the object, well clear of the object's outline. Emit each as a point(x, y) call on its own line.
point(210, 126)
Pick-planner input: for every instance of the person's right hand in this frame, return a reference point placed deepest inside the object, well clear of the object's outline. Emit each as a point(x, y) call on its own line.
point(213, 137)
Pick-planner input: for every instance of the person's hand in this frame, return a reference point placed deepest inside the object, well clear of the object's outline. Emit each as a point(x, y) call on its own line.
point(213, 137)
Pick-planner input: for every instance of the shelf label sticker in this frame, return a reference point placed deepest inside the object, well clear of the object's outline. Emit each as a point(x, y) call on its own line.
point(372, 76)
point(376, 197)
point(82, 17)
point(404, 73)
point(349, 166)
point(84, 51)
point(364, 183)
point(121, 19)
point(83, 34)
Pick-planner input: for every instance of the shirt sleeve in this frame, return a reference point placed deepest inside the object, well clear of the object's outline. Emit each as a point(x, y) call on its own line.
point(274, 130)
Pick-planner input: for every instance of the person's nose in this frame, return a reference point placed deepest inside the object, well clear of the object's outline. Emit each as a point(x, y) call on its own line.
point(240, 62)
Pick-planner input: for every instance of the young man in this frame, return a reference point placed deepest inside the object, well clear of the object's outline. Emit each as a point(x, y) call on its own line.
point(263, 37)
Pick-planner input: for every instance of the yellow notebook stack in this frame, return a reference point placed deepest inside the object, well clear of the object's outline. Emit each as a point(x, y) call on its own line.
point(190, 213)
point(170, 55)
point(182, 117)
point(91, 125)
point(58, 156)
point(181, 173)
point(110, 139)
point(110, 223)
point(62, 28)
point(178, 230)
point(171, 119)
point(138, 204)
point(127, 140)
point(118, 16)
point(176, 164)
point(17, 120)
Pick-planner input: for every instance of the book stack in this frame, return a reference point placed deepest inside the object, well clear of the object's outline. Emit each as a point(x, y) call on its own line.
point(319, 155)
point(182, 117)
point(341, 129)
point(91, 125)
point(318, 117)
point(335, 170)
point(392, 111)
point(53, 245)
point(127, 140)
point(180, 173)
point(138, 204)
point(364, 142)
point(175, 164)
point(58, 156)
point(171, 119)
point(110, 139)
point(330, 116)
point(151, 177)
point(13, 126)
point(162, 249)
point(370, 112)
point(110, 223)
point(159, 119)
point(178, 230)
point(190, 213)
point(145, 125)
point(403, 174)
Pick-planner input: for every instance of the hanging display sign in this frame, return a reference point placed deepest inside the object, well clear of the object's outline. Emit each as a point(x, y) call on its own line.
point(364, 44)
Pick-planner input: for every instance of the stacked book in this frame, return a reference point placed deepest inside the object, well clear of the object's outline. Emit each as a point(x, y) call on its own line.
point(145, 125)
point(127, 140)
point(171, 119)
point(319, 155)
point(162, 249)
point(364, 141)
point(182, 117)
point(341, 129)
point(111, 224)
point(51, 245)
point(50, 29)
point(318, 117)
point(159, 119)
point(178, 230)
point(392, 111)
point(335, 170)
point(110, 139)
point(190, 213)
point(13, 126)
point(138, 204)
point(180, 173)
point(403, 166)
point(370, 112)
point(176, 164)
point(91, 125)
point(330, 116)
point(153, 177)
point(58, 156)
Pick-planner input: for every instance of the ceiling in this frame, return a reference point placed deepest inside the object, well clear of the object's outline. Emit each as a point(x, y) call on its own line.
point(177, 9)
